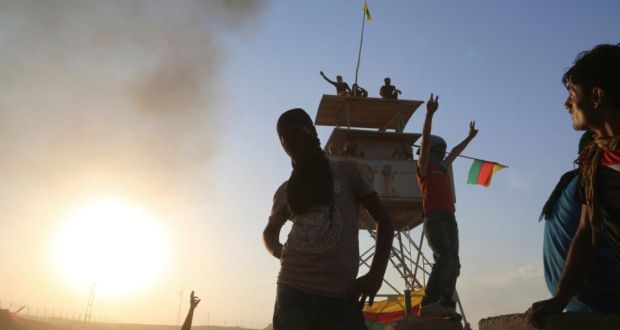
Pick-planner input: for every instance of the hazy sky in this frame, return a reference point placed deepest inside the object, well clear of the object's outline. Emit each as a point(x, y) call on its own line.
point(171, 106)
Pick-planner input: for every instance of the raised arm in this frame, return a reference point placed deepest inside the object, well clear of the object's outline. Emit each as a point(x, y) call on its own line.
point(456, 151)
point(577, 267)
point(423, 161)
point(277, 219)
point(368, 285)
point(327, 79)
point(193, 302)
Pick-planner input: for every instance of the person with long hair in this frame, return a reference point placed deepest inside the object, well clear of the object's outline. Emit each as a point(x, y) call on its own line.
point(317, 286)
point(593, 84)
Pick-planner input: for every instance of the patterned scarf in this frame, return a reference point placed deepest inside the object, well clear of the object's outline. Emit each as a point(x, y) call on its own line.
point(589, 162)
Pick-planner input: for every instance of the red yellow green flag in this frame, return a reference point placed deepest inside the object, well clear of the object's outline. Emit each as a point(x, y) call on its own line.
point(367, 12)
point(482, 171)
point(382, 313)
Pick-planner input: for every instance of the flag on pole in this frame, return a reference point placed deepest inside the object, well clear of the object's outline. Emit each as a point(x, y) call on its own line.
point(482, 171)
point(367, 12)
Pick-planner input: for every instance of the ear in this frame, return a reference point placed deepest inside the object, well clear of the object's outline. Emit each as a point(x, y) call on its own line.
point(598, 97)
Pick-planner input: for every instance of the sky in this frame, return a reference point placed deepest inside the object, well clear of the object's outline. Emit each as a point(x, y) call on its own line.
point(170, 107)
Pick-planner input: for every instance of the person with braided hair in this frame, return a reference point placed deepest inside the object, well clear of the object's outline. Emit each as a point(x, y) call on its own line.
point(317, 286)
point(593, 84)
point(601, 289)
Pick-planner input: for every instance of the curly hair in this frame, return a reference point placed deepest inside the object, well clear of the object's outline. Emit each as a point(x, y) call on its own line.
point(599, 67)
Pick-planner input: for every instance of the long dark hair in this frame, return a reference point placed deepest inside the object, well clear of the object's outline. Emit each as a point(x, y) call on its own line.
point(311, 181)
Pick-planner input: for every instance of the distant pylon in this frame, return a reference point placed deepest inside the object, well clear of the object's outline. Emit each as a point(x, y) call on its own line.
point(91, 301)
point(180, 304)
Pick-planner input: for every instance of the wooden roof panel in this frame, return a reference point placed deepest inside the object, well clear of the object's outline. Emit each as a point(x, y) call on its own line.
point(349, 111)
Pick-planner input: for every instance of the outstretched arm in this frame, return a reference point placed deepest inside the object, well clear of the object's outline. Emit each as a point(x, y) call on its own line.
point(368, 285)
point(456, 151)
point(578, 266)
point(277, 219)
point(193, 302)
point(327, 79)
point(423, 161)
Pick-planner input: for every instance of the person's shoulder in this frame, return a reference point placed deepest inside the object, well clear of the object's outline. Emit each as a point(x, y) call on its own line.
point(281, 191)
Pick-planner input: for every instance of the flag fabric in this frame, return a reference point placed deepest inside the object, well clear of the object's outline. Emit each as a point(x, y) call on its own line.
point(482, 171)
point(367, 12)
point(382, 313)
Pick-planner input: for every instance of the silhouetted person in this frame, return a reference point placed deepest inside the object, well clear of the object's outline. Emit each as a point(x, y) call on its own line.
point(389, 91)
point(193, 302)
point(440, 227)
point(593, 84)
point(318, 287)
point(341, 87)
point(359, 91)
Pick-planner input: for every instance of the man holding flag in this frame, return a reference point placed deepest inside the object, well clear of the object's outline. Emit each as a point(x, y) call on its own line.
point(440, 226)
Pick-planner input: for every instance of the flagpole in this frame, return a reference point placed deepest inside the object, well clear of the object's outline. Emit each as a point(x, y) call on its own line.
point(359, 54)
point(463, 156)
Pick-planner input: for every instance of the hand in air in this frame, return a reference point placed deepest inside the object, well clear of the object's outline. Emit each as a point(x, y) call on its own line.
point(432, 104)
point(472, 129)
point(193, 301)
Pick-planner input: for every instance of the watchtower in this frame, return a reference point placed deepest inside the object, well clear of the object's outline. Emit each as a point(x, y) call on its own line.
point(370, 132)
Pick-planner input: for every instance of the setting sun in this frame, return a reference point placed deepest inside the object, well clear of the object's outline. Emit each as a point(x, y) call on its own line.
point(116, 245)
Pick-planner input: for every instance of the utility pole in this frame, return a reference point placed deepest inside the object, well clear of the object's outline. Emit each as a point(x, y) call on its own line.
point(180, 304)
point(91, 301)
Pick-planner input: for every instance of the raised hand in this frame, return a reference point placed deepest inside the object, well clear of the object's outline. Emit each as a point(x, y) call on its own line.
point(321, 72)
point(472, 129)
point(193, 301)
point(432, 104)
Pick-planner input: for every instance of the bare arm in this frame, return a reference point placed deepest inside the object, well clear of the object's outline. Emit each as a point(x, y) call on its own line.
point(277, 219)
point(368, 285)
point(577, 267)
point(456, 151)
point(193, 302)
point(423, 161)
point(327, 79)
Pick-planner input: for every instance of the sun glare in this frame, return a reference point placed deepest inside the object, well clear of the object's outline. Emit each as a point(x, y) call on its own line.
point(116, 245)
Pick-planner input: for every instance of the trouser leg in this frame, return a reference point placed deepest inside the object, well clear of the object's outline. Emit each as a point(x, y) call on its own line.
point(440, 236)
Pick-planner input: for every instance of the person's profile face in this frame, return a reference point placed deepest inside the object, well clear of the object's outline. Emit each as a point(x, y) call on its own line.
point(339, 78)
point(580, 108)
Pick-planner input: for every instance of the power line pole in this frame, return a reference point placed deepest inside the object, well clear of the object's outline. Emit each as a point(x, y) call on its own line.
point(91, 301)
point(180, 304)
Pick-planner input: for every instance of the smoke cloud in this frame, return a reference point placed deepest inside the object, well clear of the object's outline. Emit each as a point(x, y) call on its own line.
point(117, 95)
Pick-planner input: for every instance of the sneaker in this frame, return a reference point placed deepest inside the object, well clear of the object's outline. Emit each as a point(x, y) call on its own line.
point(437, 311)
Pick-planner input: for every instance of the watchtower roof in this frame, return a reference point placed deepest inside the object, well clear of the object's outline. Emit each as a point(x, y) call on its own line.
point(371, 112)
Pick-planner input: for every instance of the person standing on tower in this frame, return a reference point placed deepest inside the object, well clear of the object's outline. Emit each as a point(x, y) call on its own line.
point(342, 88)
point(440, 226)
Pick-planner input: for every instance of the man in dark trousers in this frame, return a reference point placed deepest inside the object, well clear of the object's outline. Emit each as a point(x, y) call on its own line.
point(318, 286)
point(593, 84)
point(440, 226)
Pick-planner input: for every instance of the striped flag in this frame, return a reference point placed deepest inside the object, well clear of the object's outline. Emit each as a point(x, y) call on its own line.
point(367, 12)
point(482, 171)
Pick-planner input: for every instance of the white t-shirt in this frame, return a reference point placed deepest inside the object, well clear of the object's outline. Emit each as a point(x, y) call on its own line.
point(321, 255)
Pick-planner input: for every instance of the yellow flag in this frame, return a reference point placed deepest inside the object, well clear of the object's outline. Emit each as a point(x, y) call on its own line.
point(367, 12)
